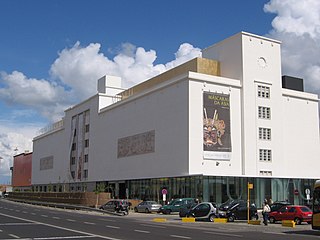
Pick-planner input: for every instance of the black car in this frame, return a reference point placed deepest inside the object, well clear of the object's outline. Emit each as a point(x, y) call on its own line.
point(204, 210)
point(117, 205)
point(278, 204)
point(237, 210)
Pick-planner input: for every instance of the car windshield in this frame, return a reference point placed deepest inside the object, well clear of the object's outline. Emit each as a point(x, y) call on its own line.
point(305, 209)
point(152, 202)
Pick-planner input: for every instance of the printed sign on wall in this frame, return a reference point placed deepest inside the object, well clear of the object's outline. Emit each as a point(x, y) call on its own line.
point(216, 126)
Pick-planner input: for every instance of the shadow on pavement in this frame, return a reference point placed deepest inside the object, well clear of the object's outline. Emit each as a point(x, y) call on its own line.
point(304, 232)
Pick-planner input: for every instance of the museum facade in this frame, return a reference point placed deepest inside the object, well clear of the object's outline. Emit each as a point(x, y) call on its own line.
point(203, 129)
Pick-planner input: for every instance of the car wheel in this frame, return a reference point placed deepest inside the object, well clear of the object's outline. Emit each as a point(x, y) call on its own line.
point(231, 219)
point(211, 218)
point(168, 211)
point(297, 221)
point(135, 209)
point(272, 220)
point(147, 210)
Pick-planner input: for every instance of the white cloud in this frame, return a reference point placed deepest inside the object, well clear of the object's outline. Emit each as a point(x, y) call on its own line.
point(297, 25)
point(42, 96)
point(78, 68)
point(10, 140)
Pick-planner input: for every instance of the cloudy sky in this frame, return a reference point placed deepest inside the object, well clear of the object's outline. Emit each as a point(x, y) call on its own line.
point(52, 52)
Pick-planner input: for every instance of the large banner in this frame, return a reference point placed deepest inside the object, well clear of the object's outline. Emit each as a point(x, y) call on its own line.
point(216, 126)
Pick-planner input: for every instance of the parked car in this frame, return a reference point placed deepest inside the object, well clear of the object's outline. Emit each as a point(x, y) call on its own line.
point(147, 207)
point(204, 210)
point(237, 210)
point(177, 204)
point(117, 205)
point(183, 212)
point(278, 204)
point(297, 213)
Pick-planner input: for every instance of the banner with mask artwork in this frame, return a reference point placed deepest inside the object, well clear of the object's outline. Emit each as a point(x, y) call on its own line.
point(216, 126)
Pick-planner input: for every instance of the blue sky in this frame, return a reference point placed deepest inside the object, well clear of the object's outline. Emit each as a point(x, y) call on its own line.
point(52, 52)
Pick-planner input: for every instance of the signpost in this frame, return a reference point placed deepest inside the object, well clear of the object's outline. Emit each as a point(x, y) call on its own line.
point(164, 195)
point(250, 186)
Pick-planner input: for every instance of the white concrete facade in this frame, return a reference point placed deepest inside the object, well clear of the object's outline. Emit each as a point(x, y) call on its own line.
point(173, 112)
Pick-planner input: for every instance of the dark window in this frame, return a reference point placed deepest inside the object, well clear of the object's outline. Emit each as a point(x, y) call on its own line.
point(74, 146)
point(86, 143)
point(87, 127)
point(86, 158)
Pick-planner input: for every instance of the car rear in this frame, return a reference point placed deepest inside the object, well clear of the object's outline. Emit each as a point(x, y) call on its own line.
point(306, 214)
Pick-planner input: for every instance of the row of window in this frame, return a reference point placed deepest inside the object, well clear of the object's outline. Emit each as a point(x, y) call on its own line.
point(265, 155)
point(73, 159)
point(263, 91)
point(85, 174)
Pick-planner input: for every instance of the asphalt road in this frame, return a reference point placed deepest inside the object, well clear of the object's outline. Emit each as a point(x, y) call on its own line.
point(22, 221)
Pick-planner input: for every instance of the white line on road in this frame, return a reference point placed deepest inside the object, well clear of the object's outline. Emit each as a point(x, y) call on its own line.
point(63, 228)
point(225, 234)
point(44, 215)
point(71, 220)
point(89, 223)
point(150, 225)
point(141, 231)
point(56, 218)
point(69, 237)
point(178, 236)
point(115, 227)
point(14, 236)
point(16, 224)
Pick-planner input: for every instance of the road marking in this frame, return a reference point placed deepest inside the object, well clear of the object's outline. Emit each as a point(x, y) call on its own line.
point(44, 215)
point(141, 231)
point(33, 213)
point(71, 220)
point(24, 212)
point(56, 218)
point(14, 236)
point(150, 225)
point(115, 227)
point(69, 237)
point(89, 223)
point(63, 228)
point(16, 224)
point(178, 236)
point(225, 234)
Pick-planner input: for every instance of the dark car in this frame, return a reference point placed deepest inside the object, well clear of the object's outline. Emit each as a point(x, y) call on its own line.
point(237, 210)
point(204, 210)
point(117, 205)
point(176, 205)
point(295, 213)
point(278, 204)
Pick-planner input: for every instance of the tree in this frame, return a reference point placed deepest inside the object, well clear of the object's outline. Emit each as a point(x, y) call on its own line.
point(99, 189)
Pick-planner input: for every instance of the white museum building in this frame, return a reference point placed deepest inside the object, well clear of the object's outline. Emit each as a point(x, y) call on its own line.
point(204, 129)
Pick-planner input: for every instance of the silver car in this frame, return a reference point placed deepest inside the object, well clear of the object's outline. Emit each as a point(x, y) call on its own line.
point(148, 207)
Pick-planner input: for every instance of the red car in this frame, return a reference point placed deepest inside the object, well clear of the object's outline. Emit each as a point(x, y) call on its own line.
point(296, 213)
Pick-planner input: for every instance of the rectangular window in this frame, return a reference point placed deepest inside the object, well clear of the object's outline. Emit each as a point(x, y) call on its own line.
point(86, 143)
point(265, 155)
point(73, 174)
point(86, 158)
point(87, 127)
point(73, 160)
point(264, 133)
point(85, 173)
point(263, 91)
point(264, 112)
point(266, 173)
point(73, 146)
